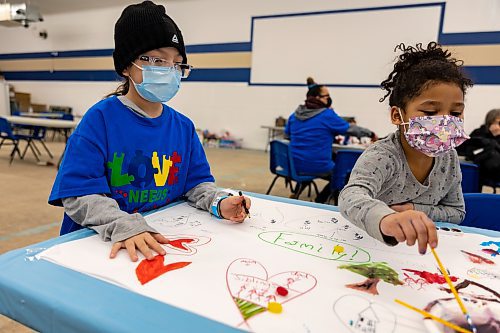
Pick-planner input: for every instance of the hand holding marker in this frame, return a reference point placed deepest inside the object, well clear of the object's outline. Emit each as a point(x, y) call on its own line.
point(244, 203)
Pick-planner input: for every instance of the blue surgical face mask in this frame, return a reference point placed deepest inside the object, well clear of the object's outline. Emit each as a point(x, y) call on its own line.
point(159, 84)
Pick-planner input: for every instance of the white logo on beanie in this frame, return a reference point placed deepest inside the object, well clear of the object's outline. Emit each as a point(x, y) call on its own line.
point(174, 39)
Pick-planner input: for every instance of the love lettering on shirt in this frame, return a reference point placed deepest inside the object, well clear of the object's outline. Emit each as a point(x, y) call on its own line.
point(141, 172)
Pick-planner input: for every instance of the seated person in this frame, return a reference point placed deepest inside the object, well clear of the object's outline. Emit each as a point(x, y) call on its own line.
point(312, 129)
point(483, 148)
point(360, 132)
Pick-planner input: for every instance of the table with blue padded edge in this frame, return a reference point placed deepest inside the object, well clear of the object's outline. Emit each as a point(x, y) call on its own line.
point(50, 298)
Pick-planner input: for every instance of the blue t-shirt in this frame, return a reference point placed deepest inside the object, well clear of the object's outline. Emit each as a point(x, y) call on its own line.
point(142, 163)
point(311, 141)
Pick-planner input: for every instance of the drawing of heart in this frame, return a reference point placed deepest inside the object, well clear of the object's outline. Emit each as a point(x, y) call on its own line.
point(151, 269)
point(184, 244)
point(252, 288)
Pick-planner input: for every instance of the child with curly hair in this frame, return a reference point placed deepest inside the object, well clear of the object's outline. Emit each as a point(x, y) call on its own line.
point(402, 183)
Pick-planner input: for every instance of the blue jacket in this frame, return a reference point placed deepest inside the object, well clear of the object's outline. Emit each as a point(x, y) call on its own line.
point(312, 132)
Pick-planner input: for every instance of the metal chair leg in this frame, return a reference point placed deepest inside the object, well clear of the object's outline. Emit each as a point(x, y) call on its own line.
point(272, 184)
point(14, 150)
point(298, 190)
point(46, 149)
point(30, 145)
point(315, 188)
point(36, 148)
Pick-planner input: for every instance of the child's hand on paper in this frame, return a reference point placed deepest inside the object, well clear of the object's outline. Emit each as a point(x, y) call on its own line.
point(410, 226)
point(231, 208)
point(146, 243)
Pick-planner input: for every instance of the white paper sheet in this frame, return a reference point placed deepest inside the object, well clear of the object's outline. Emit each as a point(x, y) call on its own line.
point(229, 272)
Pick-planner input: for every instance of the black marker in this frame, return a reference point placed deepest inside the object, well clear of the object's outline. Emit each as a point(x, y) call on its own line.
point(245, 205)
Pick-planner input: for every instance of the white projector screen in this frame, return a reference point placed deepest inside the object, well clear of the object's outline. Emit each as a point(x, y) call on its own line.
point(337, 48)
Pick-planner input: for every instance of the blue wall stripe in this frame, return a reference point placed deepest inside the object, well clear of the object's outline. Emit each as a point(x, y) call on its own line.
point(470, 38)
point(220, 75)
point(62, 76)
point(58, 54)
point(223, 47)
point(479, 74)
point(333, 85)
point(351, 10)
point(202, 48)
point(198, 75)
point(484, 74)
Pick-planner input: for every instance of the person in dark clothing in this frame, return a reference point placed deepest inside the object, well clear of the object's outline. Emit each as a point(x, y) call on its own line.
point(483, 148)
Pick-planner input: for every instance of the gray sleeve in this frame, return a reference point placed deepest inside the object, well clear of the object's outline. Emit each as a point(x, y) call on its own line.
point(102, 214)
point(357, 200)
point(451, 208)
point(202, 195)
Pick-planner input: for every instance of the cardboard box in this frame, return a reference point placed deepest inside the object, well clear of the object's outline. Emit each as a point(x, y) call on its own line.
point(23, 101)
point(39, 107)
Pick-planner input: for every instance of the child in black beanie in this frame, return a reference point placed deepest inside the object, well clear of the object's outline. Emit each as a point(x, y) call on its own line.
point(131, 153)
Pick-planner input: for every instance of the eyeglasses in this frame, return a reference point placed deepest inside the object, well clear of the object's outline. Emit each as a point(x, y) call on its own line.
point(183, 69)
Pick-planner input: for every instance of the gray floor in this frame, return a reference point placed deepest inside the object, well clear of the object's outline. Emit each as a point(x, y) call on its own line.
point(26, 218)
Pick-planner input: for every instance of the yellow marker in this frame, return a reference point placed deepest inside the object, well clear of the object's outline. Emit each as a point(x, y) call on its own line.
point(439, 320)
point(338, 248)
point(454, 291)
point(274, 307)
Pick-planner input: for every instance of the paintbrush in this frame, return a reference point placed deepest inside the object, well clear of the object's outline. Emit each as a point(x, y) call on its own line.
point(454, 291)
point(433, 317)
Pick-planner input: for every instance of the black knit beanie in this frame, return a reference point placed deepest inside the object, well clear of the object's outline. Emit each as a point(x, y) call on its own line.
point(144, 27)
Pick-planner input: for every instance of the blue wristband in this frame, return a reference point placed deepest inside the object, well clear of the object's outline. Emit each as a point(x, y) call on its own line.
point(214, 209)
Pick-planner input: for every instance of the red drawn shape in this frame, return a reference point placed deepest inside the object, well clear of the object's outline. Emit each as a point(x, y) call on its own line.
point(431, 277)
point(179, 243)
point(148, 270)
point(281, 291)
point(476, 259)
point(491, 252)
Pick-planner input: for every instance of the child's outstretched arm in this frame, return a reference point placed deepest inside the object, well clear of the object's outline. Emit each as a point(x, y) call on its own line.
point(358, 204)
point(205, 195)
point(125, 230)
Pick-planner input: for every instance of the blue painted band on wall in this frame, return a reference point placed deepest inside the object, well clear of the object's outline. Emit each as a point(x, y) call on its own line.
point(198, 75)
point(58, 54)
point(479, 74)
point(62, 76)
point(222, 47)
point(351, 10)
point(220, 75)
point(483, 74)
point(332, 85)
point(470, 38)
point(201, 48)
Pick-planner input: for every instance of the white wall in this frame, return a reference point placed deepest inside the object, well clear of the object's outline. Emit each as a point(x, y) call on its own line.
point(237, 107)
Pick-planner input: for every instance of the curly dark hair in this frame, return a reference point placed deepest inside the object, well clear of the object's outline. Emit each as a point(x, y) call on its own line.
point(417, 69)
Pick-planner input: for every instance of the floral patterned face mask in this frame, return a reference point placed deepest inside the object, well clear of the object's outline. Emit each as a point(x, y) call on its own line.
point(434, 135)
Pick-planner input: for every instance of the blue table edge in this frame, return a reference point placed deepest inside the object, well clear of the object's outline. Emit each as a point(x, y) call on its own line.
point(73, 322)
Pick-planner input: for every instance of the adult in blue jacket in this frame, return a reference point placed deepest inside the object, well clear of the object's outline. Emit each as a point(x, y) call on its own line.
point(312, 129)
